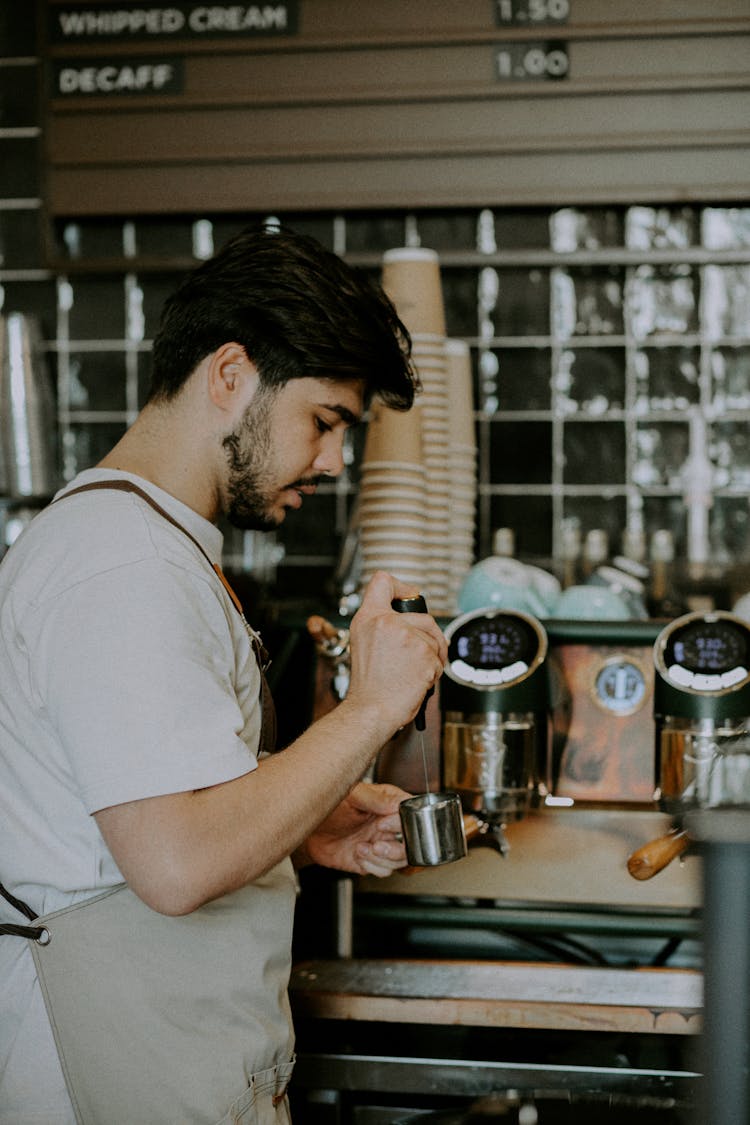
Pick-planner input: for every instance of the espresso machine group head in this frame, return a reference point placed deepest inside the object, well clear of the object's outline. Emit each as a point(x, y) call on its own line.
point(702, 727)
point(702, 712)
point(495, 704)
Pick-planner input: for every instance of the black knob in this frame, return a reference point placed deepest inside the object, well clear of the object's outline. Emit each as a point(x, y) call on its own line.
point(416, 604)
point(409, 605)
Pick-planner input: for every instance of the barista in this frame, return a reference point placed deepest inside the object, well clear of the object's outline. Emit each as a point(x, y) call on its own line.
point(142, 817)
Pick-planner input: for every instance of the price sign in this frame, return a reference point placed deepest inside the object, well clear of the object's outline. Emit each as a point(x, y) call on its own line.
point(88, 23)
point(529, 62)
point(118, 77)
point(520, 13)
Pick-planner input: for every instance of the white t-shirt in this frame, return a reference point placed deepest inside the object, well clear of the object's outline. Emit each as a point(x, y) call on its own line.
point(125, 672)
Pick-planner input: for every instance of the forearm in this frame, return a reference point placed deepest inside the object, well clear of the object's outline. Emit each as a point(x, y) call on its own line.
point(182, 850)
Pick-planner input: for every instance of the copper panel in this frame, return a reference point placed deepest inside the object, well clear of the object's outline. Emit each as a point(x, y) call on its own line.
point(600, 754)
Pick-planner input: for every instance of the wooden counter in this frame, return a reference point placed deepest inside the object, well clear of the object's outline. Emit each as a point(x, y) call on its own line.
point(500, 994)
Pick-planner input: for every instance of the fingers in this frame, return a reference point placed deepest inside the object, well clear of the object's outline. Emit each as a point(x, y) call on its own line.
point(382, 589)
point(380, 799)
point(382, 857)
point(320, 629)
point(395, 657)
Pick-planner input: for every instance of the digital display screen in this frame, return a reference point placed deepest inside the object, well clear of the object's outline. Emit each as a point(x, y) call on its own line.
point(491, 643)
point(709, 647)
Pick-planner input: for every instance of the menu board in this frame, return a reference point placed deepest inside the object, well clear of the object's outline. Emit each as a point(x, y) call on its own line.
point(191, 107)
point(99, 23)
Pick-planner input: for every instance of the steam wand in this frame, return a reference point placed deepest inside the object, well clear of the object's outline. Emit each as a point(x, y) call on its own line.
point(417, 605)
point(484, 831)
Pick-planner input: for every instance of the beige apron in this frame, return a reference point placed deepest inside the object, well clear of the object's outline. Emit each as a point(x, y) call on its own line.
point(173, 1021)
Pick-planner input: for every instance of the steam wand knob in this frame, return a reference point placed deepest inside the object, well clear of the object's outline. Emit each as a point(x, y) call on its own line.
point(416, 604)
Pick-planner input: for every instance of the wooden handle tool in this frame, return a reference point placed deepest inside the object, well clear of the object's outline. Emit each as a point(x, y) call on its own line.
point(320, 629)
point(657, 854)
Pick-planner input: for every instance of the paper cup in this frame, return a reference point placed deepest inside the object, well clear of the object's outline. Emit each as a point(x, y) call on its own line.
point(393, 435)
point(460, 392)
point(411, 278)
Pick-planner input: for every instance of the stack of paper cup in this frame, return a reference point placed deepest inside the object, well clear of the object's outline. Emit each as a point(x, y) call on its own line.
point(428, 352)
point(411, 278)
point(418, 490)
point(392, 497)
point(462, 455)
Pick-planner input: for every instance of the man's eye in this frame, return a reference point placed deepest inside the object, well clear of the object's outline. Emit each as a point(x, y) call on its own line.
point(323, 426)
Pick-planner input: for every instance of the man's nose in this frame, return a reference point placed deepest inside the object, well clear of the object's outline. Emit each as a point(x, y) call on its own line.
point(330, 459)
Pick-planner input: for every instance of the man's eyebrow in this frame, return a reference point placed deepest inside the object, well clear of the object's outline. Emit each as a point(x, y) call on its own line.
point(344, 413)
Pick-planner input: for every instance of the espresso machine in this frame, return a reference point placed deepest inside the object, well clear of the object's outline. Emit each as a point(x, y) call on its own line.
point(702, 713)
point(495, 699)
point(702, 727)
point(545, 730)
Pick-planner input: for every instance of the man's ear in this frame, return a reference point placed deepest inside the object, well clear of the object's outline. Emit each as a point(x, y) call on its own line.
point(232, 378)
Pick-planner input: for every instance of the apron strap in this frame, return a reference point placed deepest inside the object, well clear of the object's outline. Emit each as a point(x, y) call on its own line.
point(21, 907)
point(268, 729)
point(268, 723)
point(129, 486)
point(36, 933)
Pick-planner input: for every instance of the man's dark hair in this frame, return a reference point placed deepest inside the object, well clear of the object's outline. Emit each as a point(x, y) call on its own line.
point(297, 309)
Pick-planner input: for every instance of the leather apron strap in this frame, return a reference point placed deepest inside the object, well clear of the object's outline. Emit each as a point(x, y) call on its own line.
point(268, 730)
point(267, 743)
point(11, 929)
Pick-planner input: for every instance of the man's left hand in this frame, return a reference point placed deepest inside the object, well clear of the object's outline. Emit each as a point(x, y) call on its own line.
point(362, 834)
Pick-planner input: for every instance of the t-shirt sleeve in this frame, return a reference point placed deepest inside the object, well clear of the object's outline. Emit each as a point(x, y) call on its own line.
point(150, 688)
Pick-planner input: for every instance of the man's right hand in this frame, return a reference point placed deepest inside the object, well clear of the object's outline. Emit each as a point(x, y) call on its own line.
point(396, 658)
point(181, 850)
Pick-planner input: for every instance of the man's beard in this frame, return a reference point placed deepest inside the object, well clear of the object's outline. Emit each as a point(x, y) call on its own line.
point(251, 488)
point(248, 448)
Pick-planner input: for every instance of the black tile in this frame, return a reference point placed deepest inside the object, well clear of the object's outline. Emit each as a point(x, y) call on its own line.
point(591, 380)
point(594, 453)
point(522, 381)
point(447, 230)
point(520, 452)
point(156, 288)
point(21, 244)
point(97, 381)
point(17, 29)
point(89, 443)
point(98, 308)
point(311, 530)
point(530, 517)
point(608, 513)
point(164, 237)
point(90, 239)
point(19, 96)
point(523, 303)
point(36, 298)
point(460, 300)
point(19, 157)
point(367, 232)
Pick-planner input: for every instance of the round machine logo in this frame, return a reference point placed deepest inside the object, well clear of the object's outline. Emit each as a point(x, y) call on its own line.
point(620, 686)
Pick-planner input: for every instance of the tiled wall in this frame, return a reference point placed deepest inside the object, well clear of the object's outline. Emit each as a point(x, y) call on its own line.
point(595, 335)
